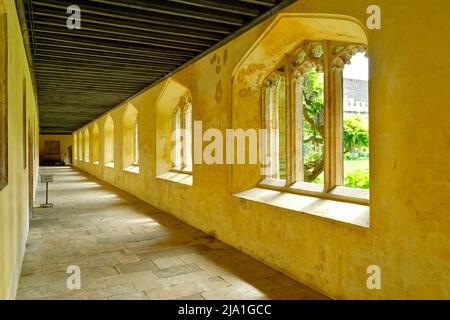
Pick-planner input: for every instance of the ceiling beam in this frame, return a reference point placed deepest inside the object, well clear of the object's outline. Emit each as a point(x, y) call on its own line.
point(85, 33)
point(123, 48)
point(87, 55)
point(222, 5)
point(54, 16)
point(130, 47)
point(51, 46)
point(267, 3)
point(70, 70)
point(66, 63)
point(97, 76)
point(138, 34)
point(159, 7)
point(135, 15)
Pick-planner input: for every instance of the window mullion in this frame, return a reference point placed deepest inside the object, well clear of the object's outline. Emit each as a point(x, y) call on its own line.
point(183, 137)
point(339, 132)
point(265, 152)
point(297, 138)
point(175, 142)
point(330, 124)
point(290, 125)
point(275, 131)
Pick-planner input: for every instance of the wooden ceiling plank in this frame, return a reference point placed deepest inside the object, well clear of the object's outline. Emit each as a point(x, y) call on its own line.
point(222, 5)
point(101, 63)
point(267, 3)
point(52, 15)
point(149, 51)
point(159, 7)
point(50, 46)
point(136, 15)
point(123, 47)
point(89, 56)
point(93, 71)
point(119, 38)
point(116, 30)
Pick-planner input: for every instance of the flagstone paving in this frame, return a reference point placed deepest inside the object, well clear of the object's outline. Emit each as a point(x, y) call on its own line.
point(127, 249)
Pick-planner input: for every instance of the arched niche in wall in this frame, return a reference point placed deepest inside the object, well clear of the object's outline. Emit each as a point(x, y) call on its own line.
point(108, 142)
point(80, 146)
point(130, 131)
point(268, 55)
point(75, 146)
point(95, 144)
point(169, 101)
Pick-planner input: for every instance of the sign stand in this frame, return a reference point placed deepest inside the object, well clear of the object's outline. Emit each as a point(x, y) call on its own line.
point(46, 178)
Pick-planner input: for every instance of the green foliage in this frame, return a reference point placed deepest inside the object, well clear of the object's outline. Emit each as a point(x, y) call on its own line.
point(313, 124)
point(360, 155)
point(356, 134)
point(358, 179)
point(319, 180)
point(356, 137)
point(313, 103)
point(313, 157)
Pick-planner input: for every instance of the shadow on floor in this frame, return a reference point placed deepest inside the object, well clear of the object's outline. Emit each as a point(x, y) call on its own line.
point(127, 249)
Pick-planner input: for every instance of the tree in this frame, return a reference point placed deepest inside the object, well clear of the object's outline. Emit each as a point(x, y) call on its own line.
point(356, 135)
point(313, 125)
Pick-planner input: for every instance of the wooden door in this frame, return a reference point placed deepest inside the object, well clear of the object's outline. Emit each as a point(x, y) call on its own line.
point(52, 151)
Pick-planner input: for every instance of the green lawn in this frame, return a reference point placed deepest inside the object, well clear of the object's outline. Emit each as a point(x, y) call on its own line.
point(351, 166)
point(356, 173)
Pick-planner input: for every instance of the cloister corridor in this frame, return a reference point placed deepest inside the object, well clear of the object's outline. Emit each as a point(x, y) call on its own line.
point(127, 249)
point(223, 150)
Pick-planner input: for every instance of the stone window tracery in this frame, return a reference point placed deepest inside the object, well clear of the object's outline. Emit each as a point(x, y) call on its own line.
point(304, 114)
point(182, 135)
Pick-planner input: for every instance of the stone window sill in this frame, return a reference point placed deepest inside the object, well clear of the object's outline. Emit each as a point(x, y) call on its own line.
point(110, 164)
point(177, 177)
point(339, 193)
point(132, 169)
point(355, 214)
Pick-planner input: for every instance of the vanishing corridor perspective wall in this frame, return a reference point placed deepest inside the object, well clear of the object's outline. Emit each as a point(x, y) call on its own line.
point(409, 232)
point(65, 141)
point(14, 200)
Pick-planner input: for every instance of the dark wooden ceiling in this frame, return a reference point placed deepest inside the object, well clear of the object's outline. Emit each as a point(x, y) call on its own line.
point(123, 46)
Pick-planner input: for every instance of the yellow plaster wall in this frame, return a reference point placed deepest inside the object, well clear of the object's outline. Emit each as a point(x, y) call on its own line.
point(65, 141)
point(409, 234)
point(14, 197)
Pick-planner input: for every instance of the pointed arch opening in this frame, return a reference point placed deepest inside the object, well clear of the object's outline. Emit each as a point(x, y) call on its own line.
point(302, 96)
point(75, 146)
point(108, 143)
point(131, 139)
point(86, 145)
point(95, 144)
point(174, 130)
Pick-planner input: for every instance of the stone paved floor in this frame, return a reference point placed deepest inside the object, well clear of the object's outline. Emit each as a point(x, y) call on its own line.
point(127, 249)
